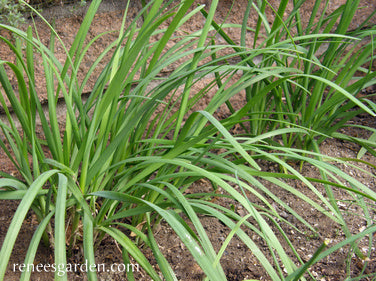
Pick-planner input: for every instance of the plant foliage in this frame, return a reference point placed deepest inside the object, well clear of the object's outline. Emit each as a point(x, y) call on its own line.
point(126, 155)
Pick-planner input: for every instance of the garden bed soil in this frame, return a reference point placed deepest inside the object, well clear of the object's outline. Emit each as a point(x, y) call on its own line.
point(238, 261)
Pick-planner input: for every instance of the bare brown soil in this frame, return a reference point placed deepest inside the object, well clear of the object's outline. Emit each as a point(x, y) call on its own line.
point(238, 261)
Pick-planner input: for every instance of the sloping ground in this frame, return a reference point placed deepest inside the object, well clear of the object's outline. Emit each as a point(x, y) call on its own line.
point(109, 18)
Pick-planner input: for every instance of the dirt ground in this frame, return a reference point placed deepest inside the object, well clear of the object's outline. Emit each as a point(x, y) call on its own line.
point(238, 261)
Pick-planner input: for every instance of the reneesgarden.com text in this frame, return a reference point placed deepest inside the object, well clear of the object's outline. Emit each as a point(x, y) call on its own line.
point(61, 269)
